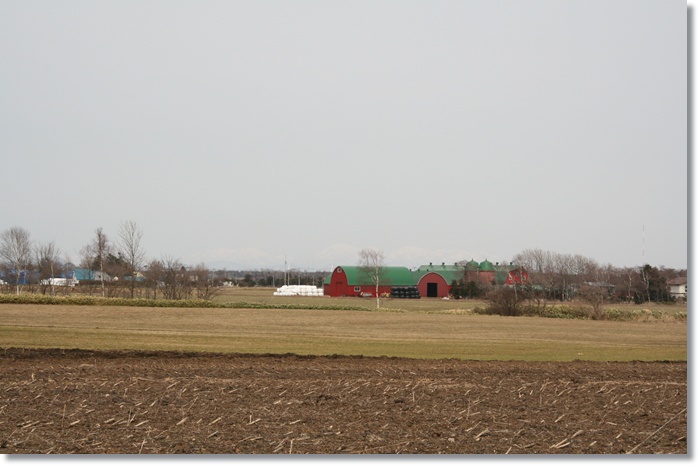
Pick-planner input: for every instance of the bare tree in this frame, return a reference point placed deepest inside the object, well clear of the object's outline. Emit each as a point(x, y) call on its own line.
point(371, 264)
point(555, 272)
point(596, 290)
point(94, 255)
point(48, 263)
point(154, 276)
point(101, 249)
point(594, 294)
point(536, 261)
point(541, 267)
point(645, 278)
point(203, 283)
point(631, 282)
point(176, 284)
point(130, 236)
point(16, 251)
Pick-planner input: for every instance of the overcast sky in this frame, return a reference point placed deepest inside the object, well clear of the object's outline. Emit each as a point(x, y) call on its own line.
point(244, 133)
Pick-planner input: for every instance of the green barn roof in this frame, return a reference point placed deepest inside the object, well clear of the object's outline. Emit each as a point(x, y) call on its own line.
point(486, 265)
point(471, 265)
point(401, 276)
point(392, 276)
point(449, 272)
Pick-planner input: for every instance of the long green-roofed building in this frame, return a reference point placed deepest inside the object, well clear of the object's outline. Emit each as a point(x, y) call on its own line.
point(429, 280)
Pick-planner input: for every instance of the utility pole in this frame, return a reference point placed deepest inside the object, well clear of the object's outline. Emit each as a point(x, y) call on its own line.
point(286, 271)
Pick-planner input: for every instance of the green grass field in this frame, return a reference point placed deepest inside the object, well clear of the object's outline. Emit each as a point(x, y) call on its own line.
point(408, 328)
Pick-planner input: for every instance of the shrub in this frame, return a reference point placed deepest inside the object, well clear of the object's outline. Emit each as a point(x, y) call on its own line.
point(561, 312)
point(505, 301)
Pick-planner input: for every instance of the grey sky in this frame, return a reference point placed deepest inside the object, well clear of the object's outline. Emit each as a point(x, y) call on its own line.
point(244, 132)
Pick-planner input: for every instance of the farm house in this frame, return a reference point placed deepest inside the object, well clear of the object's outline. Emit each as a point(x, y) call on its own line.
point(431, 281)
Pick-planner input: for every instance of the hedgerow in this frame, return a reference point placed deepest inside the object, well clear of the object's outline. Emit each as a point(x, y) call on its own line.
point(140, 302)
point(583, 313)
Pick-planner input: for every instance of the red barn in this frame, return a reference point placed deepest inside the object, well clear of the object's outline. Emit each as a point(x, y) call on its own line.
point(352, 281)
point(432, 281)
point(518, 276)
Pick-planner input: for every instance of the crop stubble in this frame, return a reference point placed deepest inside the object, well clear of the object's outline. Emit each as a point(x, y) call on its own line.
point(73, 401)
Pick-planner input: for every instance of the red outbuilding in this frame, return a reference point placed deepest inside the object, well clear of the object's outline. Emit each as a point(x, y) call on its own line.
point(432, 281)
point(353, 281)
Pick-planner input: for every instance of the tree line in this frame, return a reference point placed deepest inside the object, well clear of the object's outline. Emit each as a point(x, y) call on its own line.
point(564, 277)
point(566, 274)
point(118, 267)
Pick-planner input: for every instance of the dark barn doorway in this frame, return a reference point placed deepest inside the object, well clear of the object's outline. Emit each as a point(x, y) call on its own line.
point(432, 290)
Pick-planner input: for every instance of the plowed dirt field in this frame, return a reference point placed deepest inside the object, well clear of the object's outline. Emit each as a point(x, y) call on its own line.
point(59, 401)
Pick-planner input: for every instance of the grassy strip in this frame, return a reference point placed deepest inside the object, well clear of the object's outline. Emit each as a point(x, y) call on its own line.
point(584, 313)
point(140, 302)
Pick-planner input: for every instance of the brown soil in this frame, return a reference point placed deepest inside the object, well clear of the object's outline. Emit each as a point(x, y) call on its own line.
point(56, 401)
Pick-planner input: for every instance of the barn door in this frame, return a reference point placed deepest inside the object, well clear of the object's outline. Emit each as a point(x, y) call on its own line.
point(432, 290)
